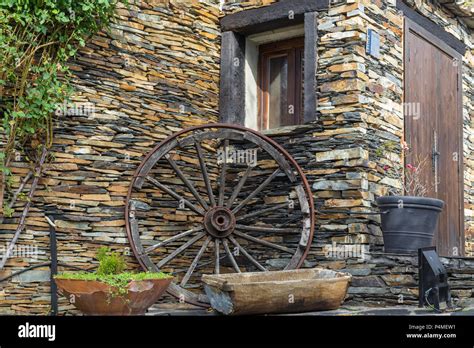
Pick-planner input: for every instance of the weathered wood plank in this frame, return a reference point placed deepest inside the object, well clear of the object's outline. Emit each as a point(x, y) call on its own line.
point(235, 293)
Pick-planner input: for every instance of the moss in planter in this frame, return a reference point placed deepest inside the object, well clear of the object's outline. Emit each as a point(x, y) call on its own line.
point(110, 272)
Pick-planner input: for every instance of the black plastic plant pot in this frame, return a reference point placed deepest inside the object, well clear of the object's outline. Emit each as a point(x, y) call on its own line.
point(408, 223)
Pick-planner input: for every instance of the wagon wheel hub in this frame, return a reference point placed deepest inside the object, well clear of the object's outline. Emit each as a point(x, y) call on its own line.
point(219, 222)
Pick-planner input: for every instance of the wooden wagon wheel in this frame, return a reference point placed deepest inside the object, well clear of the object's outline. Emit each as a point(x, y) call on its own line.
point(218, 198)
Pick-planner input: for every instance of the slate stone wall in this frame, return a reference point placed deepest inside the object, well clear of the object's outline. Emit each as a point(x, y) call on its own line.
point(392, 279)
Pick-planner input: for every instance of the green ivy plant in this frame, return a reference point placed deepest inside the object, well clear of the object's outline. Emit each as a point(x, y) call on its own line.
point(386, 146)
point(37, 38)
point(109, 262)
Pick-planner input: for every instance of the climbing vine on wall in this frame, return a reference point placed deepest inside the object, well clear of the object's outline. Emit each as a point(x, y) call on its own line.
point(37, 38)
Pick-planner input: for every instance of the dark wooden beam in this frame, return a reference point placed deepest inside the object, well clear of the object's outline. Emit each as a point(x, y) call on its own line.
point(311, 64)
point(280, 14)
point(432, 27)
point(232, 79)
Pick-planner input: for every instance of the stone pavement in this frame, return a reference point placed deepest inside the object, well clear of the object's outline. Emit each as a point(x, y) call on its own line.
point(188, 310)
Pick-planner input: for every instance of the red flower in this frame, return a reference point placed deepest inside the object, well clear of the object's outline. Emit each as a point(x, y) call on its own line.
point(386, 167)
point(411, 167)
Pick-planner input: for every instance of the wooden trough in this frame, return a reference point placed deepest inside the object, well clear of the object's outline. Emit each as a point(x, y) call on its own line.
point(288, 291)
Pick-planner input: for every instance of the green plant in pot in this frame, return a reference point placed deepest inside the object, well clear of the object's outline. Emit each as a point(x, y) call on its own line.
point(111, 290)
point(409, 218)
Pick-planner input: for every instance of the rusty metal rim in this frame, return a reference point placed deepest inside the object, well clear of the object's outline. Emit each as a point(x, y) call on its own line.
point(225, 126)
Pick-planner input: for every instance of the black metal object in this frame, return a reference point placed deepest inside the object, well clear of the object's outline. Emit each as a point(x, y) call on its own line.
point(54, 267)
point(433, 284)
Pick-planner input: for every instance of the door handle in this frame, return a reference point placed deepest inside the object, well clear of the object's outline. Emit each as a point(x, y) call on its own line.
point(435, 160)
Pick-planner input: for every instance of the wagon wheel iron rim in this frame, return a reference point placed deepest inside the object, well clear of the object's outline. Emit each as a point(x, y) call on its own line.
point(223, 219)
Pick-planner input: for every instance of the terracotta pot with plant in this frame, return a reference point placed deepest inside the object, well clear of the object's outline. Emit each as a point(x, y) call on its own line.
point(409, 218)
point(110, 290)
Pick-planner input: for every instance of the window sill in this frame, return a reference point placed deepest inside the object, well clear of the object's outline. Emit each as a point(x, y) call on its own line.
point(301, 128)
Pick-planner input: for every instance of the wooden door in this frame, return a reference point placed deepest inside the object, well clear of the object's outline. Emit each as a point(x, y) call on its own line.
point(433, 128)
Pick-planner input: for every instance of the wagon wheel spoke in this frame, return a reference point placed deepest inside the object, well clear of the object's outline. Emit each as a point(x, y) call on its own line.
point(188, 184)
point(205, 175)
point(297, 218)
point(264, 242)
point(266, 229)
point(195, 261)
point(230, 256)
point(175, 195)
point(172, 239)
point(223, 173)
point(180, 250)
point(216, 253)
point(239, 186)
point(247, 255)
point(256, 191)
point(262, 212)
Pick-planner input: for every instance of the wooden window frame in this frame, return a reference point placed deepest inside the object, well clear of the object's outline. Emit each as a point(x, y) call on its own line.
point(289, 48)
point(271, 16)
point(236, 26)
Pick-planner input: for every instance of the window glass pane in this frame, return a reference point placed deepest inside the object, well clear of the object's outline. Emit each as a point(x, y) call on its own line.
point(278, 86)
